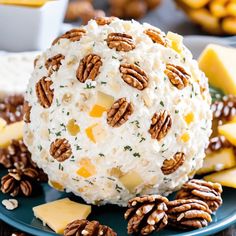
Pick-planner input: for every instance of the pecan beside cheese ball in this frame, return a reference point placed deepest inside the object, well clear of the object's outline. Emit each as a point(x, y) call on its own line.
point(117, 109)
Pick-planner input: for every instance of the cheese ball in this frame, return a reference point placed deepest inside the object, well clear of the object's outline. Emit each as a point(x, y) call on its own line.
point(117, 109)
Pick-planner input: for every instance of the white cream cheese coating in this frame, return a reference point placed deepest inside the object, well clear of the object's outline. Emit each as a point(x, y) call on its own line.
point(123, 161)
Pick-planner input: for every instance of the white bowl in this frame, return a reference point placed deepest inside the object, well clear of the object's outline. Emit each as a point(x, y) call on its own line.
point(28, 28)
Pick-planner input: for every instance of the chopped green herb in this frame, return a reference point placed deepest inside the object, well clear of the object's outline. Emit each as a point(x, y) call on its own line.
point(89, 86)
point(78, 148)
point(176, 111)
point(142, 139)
point(68, 113)
point(58, 133)
point(103, 82)
point(118, 188)
point(113, 57)
point(40, 147)
point(136, 122)
point(128, 148)
point(60, 167)
point(136, 154)
point(40, 67)
point(101, 155)
point(162, 103)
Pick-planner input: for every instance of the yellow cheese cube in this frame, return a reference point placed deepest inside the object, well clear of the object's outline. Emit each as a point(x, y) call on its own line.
point(229, 131)
point(131, 180)
point(176, 41)
point(96, 132)
point(189, 118)
point(185, 137)
point(87, 168)
point(12, 131)
point(97, 111)
point(195, 3)
point(216, 161)
point(218, 63)
point(72, 127)
point(3, 124)
point(104, 100)
point(56, 185)
point(225, 178)
point(59, 213)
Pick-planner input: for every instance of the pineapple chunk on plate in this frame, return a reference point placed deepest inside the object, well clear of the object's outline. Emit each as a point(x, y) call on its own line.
point(229, 131)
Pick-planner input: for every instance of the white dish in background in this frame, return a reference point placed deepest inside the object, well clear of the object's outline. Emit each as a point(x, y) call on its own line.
point(30, 28)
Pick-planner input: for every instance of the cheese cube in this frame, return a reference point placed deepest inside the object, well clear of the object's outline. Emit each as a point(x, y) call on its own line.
point(104, 100)
point(12, 131)
point(218, 63)
point(225, 178)
point(176, 41)
point(131, 180)
point(96, 132)
point(59, 213)
point(220, 160)
point(97, 111)
point(87, 168)
point(229, 131)
point(72, 127)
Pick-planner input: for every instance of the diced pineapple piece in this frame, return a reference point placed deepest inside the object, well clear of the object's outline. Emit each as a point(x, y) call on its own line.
point(104, 100)
point(12, 131)
point(229, 131)
point(87, 168)
point(96, 132)
point(176, 41)
point(220, 160)
point(218, 63)
point(195, 3)
point(3, 124)
point(189, 118)
point(58, 214)
point(131, 180)
point(97, 111)
point(225, 177)
point(56, 185)
point(72, 127)
point(185, 137)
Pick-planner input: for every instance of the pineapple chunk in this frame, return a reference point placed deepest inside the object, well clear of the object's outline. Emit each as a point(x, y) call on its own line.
point(3, 124)
point(229, 131)
point(56, 185)
point(72, 127)
point(195, 3)
point(12, 131)
point(220, 160)
point(189, 118)
point(131, 180)
point(185, 137)
point(176, 41)
point(225, 177)
point(97, 111)
point(87, 168)
point(96, 132)
point(104, 100)
point(58, 214)
point(218, 64)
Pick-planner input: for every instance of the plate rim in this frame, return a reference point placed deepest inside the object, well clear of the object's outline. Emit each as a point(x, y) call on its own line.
point(209, 230)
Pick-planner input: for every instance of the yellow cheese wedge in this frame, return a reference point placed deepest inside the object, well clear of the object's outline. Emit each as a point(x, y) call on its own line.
point(87, 169)
point(225, 178)
point(229, 131)
point(97, 111)
point(96, 132)
point(218, 63)
point(59, 213)
point(3, 124)
point(220, 160)
point(12, 131)
point(131, 180)
point(30, 3)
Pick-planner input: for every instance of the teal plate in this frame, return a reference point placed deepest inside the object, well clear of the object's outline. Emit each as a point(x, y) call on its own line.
point(23, 217)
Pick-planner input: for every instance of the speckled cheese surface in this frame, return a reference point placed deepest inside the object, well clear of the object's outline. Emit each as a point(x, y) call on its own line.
point(112, 164)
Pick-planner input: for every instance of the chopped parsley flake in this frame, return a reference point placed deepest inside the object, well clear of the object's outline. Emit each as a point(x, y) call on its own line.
point(58, 133)
point(101, 155)
point(78, 148)
point(103, 82)
point(142, 139)
point(136, 122)
point(60, 167)
point(40, 147)
point(136, 154)
point(128, 148)
point(176, 111)
point(118, 188)
point(162, 103)
point(113, 57)
point(89, 86)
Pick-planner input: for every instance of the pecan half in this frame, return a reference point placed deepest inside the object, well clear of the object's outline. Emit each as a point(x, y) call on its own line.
point(44, 92)
point(134, 76)
point(161, 124)
point(60, 149)
point(177, 76)
point(89, 68)
point(119, 112)
point(53, 64)
point(26, 110)
point(171, 165)
point(104, 20)
point(120, 41)
point(73, 35)
point(157, 36)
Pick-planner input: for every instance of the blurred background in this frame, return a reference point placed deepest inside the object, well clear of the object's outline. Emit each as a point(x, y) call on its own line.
point(27, 25)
